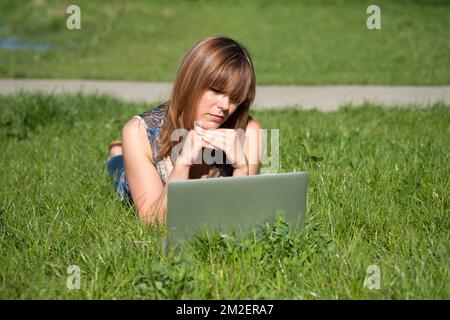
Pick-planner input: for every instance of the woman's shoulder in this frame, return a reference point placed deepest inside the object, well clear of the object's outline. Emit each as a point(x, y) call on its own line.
point(154, 117)
point(134, 133)
point(252, 123)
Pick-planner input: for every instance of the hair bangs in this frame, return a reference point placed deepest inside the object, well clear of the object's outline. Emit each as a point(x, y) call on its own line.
point(236, 82)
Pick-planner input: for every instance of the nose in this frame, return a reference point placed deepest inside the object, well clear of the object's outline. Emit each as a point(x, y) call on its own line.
point(224, 102)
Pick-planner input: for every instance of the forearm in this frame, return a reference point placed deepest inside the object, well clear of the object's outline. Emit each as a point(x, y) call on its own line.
point(248, 170)
point(157, 212)
point(243, 169)
point(240, 172)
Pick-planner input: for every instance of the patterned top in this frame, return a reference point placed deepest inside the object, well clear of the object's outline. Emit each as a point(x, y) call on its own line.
point(154, 120)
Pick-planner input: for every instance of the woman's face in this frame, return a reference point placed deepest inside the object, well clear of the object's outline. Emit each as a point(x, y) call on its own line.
point(214, 108)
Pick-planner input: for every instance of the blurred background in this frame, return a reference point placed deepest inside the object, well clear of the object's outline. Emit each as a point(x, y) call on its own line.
point(292, 42)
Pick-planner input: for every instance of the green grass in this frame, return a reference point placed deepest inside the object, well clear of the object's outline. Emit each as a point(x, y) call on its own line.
point(292, 42)
point(378, 194)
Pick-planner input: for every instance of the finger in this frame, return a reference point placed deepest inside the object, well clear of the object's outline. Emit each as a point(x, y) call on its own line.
point(217, 144)
point(225, 142)
point(198, 129)
point(222, 130)
point(215, 140)
point(205, 144)
point(218, 132)
point(229, 134)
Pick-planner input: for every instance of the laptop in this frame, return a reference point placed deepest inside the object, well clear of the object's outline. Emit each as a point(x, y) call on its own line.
point(233, 204)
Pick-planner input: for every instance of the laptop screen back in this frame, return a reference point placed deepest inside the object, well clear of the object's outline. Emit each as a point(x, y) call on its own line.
point(234, 203)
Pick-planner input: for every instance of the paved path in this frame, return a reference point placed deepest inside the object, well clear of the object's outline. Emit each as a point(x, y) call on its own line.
point(325, 98)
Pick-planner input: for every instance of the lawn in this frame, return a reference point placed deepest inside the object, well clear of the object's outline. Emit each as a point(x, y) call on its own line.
point(378, 195)
point(292, 42)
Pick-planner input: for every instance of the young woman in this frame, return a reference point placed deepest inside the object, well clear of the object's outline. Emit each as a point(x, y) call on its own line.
point(209, 111)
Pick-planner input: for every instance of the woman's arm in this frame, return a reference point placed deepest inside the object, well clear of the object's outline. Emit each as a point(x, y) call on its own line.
point(253, 146)
point(147, 190)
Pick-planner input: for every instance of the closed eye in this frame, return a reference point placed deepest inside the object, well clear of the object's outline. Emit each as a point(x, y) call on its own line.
point(215, 90)
point(219, 91)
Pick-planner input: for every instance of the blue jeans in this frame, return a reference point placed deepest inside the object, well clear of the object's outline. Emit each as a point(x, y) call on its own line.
point(116, 168)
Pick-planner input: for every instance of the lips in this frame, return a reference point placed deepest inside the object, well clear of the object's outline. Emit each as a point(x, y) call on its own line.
point(216, 117)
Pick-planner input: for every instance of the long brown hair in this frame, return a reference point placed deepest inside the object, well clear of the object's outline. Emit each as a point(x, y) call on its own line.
point(217, 62)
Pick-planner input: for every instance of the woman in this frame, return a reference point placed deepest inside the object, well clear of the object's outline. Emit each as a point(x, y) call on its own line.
point(214, 88)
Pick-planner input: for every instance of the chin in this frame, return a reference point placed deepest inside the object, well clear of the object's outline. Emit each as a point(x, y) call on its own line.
point(212, 125)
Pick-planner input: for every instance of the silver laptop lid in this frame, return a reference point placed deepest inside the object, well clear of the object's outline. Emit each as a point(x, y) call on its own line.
point(234, 203)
